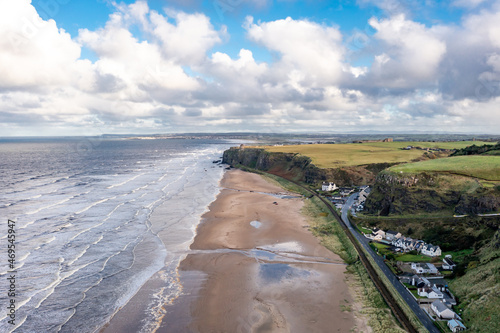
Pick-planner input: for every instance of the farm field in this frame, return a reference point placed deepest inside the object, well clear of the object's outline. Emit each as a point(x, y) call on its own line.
point(352, 154)
point(484, 167)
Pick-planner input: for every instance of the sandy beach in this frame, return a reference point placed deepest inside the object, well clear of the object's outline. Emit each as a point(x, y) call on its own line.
point(254, 267)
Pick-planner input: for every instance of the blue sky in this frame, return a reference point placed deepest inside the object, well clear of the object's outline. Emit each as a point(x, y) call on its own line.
point(155, 66)
point(349, 16)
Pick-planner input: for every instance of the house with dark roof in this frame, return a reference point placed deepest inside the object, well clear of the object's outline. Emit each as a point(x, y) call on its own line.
point(448, 264)
point(390, 235)
point(430, 292)
point(442, 311)
point(431, 250)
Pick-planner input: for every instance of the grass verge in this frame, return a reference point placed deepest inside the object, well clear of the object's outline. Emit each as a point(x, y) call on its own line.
point(411, 315)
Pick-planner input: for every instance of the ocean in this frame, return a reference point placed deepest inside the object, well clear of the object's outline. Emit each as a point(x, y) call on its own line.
point(94, 220)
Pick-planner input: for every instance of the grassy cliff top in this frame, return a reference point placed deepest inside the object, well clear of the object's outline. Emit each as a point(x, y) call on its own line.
point(351, 154)
point(484, 167)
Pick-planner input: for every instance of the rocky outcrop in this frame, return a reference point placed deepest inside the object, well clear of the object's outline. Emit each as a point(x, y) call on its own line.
point(300, 168)
point(425, 192)
point(291, 166)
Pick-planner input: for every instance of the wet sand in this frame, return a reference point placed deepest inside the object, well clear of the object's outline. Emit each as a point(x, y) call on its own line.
point(253, 267)
point(277, 278)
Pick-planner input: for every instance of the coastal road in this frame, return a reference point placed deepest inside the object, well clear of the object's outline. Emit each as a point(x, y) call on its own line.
point(405, 294)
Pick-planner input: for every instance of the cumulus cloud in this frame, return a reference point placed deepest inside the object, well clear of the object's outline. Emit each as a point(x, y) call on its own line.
point(172, 76)
point(412, 52)
point(27, 44)
point(315, 51)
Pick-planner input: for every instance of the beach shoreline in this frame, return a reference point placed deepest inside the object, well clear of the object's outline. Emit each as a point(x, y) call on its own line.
point(271, 276)
point(254, 266)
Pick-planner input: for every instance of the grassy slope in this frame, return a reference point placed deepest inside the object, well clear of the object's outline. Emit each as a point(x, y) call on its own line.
point(338, 155)
point(484, 167)
point(479, 290)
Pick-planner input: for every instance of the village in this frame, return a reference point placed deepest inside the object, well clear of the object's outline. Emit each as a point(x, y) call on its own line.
point(420, 267)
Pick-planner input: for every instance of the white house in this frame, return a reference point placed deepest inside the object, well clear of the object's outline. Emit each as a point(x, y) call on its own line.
point(423, 268)
point(406, 243)
point(379, 232)
point(328, 187)
point(390, 235)
point(430, 292)
point(376, 237)
point(448, 264)
point(441, 310)
point(431, 250)
point(456, 326)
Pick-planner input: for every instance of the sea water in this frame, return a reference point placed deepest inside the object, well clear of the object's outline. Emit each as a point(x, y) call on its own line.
point(88, 235)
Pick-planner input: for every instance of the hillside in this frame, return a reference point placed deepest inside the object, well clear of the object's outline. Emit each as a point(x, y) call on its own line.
point(479, 289)
point(300, 168)
point(477, 166)
point(344, 164)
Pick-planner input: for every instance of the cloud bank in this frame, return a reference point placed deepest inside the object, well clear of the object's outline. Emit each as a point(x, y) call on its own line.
point(170, 77)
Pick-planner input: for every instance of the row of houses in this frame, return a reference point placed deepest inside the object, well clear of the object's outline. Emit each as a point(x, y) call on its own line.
point(443, 300)
point(328, 187)
point(406, 244)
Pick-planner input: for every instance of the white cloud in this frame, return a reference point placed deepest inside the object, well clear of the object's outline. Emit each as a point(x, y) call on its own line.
point(172, 75)
point(468, 3)
point(412, 55)
point(314, 50)
point(188, 40)
point(34, 53)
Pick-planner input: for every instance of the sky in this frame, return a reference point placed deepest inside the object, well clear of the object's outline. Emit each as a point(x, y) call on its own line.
point(94, 67)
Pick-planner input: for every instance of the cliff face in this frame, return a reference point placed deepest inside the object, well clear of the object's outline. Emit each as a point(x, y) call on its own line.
point(300, 168)
point(291, 166)
point(429, 193)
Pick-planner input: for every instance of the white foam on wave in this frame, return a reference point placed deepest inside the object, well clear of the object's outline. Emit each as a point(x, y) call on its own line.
point(182, 179)
point(49, 206)
point(27, 224)
point(94, 204)
point(125, 182)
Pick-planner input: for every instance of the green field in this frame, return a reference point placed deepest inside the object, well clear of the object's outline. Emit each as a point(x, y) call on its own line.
point(351, 154)
point(484, 167)
point(413, 258)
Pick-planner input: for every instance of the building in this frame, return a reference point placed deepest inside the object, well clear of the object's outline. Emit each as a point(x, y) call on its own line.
point(406, 243)
point(448, 264)
point(345, 191)
point(430, 292)
point(328, 187)
point(431, 250)
point(419, 281)
point(388, 140)
point(390, 235)
point(424, 268)
point(374, 237)
point(442, 311)
point(379, 232)
point(456, 326)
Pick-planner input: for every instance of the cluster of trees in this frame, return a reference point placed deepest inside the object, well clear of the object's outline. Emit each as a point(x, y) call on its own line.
point(476, 150)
